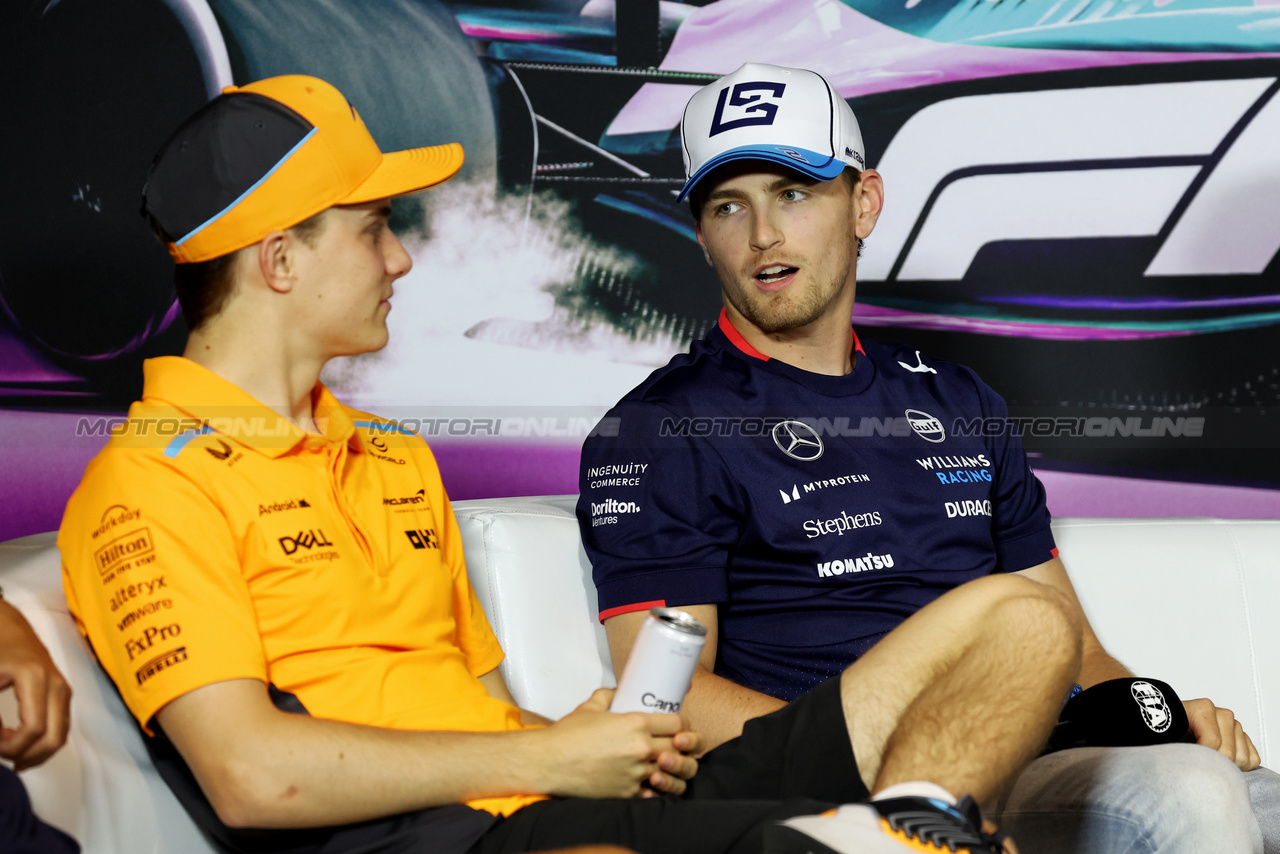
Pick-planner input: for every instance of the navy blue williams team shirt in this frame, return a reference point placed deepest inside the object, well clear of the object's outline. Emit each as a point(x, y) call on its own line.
point(817, 512)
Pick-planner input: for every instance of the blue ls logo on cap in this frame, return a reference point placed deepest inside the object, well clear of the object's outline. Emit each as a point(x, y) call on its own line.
point(753, 103)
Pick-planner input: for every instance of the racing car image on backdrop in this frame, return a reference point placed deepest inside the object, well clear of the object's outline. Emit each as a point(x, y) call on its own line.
point(1081, 197)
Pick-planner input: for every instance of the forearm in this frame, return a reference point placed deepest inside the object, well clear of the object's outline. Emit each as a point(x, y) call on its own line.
point(300, 771)
point(1098, 665)
point(717, 707)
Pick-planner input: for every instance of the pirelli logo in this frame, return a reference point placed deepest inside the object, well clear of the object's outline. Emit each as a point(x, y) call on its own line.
point(160, 662)
point(126, 547)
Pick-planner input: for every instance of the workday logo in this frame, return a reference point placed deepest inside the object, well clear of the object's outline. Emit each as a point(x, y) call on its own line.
point(797, 440)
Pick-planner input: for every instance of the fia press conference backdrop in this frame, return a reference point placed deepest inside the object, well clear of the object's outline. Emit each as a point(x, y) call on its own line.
point(1082, 205)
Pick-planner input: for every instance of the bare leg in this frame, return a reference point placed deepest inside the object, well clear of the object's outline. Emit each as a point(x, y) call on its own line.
point(965, 692)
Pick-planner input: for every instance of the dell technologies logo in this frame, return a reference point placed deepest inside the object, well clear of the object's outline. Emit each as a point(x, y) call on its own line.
point(798, 440)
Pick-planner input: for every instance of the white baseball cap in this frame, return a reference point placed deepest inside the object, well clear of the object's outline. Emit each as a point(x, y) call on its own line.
point(766, 112)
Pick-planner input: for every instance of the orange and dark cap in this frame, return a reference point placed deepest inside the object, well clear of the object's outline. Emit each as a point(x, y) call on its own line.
point(269, 155)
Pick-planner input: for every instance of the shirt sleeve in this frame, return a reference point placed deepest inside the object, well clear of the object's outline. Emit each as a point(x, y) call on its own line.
point(658, 511)
point(1019, 515)
point(152, 576)
point(472, 634)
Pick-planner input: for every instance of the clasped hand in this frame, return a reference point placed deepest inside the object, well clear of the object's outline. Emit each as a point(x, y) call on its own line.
point(604, 755)
point(1218, 729)
point(44, 697)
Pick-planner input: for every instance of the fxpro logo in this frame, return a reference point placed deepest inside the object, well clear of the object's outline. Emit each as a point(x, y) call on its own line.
point(1195, 183)
point(926, 426)
point(814, 528)
point(611, 507)
point(135, 646)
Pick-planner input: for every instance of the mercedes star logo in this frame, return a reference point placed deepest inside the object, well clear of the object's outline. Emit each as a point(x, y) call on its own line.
point(797, 440)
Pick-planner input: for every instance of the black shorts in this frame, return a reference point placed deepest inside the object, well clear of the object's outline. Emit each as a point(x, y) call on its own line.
point(795, 761)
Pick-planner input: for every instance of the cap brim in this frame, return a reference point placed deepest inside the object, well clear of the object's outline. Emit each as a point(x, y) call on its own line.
point(408, 171)
point(811, 163)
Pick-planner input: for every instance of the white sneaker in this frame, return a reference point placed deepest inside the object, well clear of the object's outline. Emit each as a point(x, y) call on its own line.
point(889, 826)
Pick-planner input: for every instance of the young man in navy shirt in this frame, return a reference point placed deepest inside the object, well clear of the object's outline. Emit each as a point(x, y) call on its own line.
point(803, 491)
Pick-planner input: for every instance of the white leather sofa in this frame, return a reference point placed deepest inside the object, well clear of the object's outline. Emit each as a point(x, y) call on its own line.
point(1191, 601)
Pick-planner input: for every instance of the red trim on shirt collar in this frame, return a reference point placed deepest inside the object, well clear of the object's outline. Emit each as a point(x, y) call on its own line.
point(736, 337)
point(741, 343)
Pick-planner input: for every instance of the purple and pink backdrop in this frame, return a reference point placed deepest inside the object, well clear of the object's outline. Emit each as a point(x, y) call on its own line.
point(1081, 205)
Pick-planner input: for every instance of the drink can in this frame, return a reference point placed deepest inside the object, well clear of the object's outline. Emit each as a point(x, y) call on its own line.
point(658, 674)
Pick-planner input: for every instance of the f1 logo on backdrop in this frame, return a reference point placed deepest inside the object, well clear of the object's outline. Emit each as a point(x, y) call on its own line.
point(1110, 161)
point(757, 110)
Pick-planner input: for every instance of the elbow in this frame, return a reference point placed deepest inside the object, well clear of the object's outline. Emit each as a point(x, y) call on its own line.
point(245, 795)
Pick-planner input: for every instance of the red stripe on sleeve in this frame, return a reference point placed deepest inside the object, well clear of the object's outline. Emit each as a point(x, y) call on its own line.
point(627, 609)
point(1054, 551)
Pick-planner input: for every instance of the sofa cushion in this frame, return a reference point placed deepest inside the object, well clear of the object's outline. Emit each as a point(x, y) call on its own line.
point(1190, 601)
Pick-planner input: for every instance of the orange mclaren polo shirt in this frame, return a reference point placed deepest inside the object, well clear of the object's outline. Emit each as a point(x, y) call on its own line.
point(212, 539)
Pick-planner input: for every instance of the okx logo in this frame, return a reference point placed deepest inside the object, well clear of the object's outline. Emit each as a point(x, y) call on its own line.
point(748, 104)
point(423, 538)
point(304, 540)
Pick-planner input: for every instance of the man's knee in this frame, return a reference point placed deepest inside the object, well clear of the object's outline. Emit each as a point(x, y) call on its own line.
point(1157, 792)
point(1029, 607)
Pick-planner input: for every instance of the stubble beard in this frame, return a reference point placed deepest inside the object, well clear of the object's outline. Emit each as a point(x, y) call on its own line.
point(783, 311)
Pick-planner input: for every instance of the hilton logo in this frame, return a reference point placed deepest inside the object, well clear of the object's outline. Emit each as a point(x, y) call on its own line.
point(131, 545)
